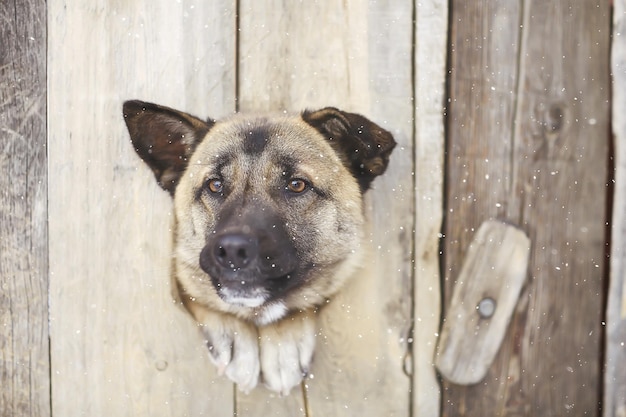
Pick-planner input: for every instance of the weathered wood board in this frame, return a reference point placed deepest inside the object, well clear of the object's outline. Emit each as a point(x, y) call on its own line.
point(615, 370)
point(430, 69)
point(24, 361)
point(119, 345)
point(528, 142)
point(482, 304)
point(355, 56)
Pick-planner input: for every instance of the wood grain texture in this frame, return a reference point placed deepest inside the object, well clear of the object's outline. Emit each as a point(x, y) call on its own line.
point(119, 344)
point(615, 370)
point(528, 143)
point(561, 139)
point(431, 29)
point(355, 55)
point(24, 362)
point(477, 171)
point(483, 301)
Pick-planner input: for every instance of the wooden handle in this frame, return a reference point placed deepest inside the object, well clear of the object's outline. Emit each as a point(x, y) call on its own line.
point(483, 302)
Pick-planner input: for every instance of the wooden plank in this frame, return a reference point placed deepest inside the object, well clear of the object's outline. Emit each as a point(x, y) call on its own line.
point(484, 299)
point(430, 72)
point(357, 56)
point(119, 345)
point(477, 115)
point(562, 137)
point(24, 361)
point(520, 149)
point(615, 372)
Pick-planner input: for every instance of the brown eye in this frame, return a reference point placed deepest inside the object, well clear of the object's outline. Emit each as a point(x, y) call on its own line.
point(296, 185)
point(215, 185)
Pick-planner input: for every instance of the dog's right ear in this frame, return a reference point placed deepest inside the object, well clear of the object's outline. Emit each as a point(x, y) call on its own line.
point(364, 146)
point(164, 138)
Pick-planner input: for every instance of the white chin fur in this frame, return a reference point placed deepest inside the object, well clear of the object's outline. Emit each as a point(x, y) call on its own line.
point(264, 315)
point(251, 301)
point(245, 302)
point(271, 313)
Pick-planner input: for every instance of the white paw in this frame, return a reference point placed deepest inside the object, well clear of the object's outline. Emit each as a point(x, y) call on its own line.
point(234, 349)
point(286, 351)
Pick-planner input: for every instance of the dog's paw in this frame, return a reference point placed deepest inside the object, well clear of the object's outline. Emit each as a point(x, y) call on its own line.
point(286, 351)
point(234, 349)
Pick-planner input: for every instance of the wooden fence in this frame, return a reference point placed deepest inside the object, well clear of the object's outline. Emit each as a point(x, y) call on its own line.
point(529, 126)
point(523, 91)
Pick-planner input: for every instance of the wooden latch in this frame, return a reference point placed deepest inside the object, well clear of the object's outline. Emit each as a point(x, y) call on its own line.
point(483, 301)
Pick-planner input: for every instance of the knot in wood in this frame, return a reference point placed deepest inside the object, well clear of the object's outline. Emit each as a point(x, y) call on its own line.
point(161, 365)
point(555, 117)
point(486, 307)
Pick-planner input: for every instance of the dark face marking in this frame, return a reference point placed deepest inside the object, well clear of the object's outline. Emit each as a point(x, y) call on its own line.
point(256, 139)
point(250, 249)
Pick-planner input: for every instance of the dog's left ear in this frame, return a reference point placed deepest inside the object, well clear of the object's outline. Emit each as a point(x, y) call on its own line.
point(363, 145)
point(164, 138)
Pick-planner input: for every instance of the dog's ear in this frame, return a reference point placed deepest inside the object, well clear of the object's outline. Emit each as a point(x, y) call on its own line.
point(363, 145)
point(164, 138)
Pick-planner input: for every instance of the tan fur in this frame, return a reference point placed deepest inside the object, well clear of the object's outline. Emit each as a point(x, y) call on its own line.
point(340, 253)
point(258, 335)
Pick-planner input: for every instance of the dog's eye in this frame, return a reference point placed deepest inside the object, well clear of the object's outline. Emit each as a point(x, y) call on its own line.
point(215, 185)
point(297, 185)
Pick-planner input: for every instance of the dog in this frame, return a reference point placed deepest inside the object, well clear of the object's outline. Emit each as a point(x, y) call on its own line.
point(269, 225)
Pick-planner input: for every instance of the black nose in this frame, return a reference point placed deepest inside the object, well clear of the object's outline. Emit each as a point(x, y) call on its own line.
point(235, 250)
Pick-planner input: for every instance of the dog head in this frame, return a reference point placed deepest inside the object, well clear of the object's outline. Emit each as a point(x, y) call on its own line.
point(269, 213)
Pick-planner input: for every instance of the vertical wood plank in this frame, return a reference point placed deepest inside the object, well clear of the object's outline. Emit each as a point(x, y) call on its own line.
point(561, 140)
point(431, 22)
point(615, 372)
point(119, 344)
point(484, 48)
point(24, 362)
point(296, 55)
point(534, 151)
point(355, 55)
